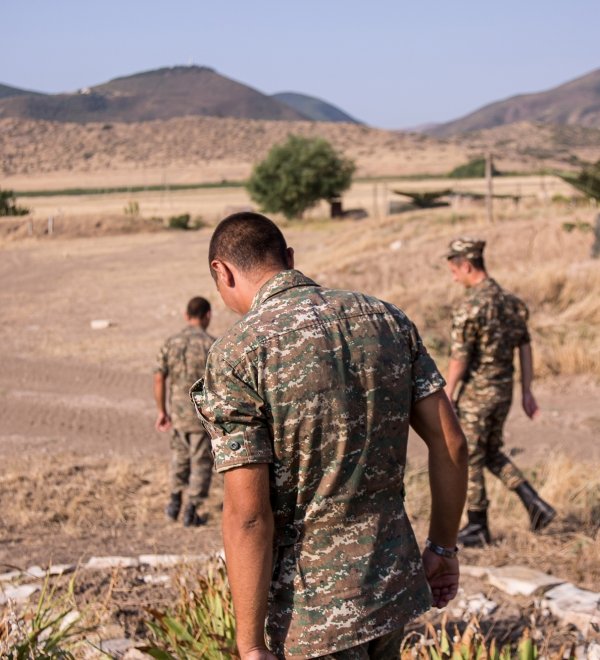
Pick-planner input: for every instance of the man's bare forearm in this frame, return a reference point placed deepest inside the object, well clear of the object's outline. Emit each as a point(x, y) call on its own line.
point(434, 420)
point(456, 372)
point(248, 541)
point(160, 392)
point(526, 362)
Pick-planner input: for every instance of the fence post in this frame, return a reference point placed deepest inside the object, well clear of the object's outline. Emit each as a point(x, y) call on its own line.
point(490, 189)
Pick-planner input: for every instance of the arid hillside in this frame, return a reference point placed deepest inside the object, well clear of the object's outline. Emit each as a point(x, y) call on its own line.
point(177, 91)
point(576, 102)
point(44, 155)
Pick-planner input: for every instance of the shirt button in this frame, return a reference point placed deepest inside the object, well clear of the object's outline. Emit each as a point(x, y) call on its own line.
point(234, 445)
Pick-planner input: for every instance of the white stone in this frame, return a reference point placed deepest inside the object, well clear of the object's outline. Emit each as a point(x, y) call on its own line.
point(71, 617)
point(18, 594)
point(396, 245)
point(156, 579)
point(578, 607)
point(7, 577)
point(476, 604)
point(161, 560)
point(521, 580)
point(116, 648)
point(112, 562)
point(134, 654)
point(56, 569)
point(480, 605)
point(480, 572)
point(593, 651)
point(100, 324)
point(61, 569)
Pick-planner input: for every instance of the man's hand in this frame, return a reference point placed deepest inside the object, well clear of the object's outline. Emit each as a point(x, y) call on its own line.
point(163, 422)
point(442, 574)
point(530, 405)
point(258, 654)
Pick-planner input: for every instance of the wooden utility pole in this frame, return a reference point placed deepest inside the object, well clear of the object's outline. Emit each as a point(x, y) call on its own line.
point(375, 202)
point(490, 189)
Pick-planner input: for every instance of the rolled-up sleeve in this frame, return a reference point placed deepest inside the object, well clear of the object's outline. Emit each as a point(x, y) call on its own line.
point(426, 378)
point(233, 414)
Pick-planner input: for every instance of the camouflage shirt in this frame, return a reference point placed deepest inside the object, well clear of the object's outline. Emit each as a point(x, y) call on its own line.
point(486, 328)
point(319, 384)
point(182, 359)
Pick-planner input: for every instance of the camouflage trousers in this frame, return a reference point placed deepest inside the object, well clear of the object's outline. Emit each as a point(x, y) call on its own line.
point(482, 420)
point(191, 464)
point(381, 648)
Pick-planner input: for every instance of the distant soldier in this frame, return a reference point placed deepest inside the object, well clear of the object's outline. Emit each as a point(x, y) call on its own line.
point(181, 362)
point(487, 327)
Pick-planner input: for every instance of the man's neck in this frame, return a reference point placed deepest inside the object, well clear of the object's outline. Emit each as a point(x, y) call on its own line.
point(477, 278)
point(256, 284)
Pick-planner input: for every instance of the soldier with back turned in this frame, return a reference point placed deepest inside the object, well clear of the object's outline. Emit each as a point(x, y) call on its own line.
point(487, 328)
point(308, 400)
point(180, 362)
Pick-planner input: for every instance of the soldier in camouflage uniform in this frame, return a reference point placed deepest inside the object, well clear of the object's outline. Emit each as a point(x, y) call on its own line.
point(180, 362)
point(487, 327)
point(308, 400)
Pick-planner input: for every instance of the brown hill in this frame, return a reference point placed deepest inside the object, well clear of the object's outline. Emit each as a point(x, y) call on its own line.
point(160, 94)
point(194, 149)
point(6, 91)
point(575, 102)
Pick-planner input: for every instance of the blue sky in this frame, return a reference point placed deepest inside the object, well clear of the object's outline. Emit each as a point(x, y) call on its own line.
point(390, 64)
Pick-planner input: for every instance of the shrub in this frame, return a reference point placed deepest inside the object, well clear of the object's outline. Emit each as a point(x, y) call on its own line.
point(202, 625)
point(132, 209)
point(49, 633)
point(587, 181)
point(474, 169)
point(180, 221)
point(8, 205)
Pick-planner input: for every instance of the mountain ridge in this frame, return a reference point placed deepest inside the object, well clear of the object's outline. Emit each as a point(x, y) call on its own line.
point(314, 108)
point(152, 95)
point(575, 102)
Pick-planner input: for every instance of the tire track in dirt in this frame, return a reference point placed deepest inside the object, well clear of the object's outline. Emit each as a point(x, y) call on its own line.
point(85, 408)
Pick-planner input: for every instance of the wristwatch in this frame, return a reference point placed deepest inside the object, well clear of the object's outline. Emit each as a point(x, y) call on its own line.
point(449, 553)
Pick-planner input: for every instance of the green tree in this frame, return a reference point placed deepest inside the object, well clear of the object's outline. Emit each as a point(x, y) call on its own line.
point(297, 174)
point(474, 169)
point(8, 205)
point(587, 181)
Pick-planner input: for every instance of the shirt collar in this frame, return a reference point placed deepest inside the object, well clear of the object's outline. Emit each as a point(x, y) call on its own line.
point(286, 279)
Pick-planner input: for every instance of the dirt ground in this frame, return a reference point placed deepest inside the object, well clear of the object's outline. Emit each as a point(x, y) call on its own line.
point(84, 472)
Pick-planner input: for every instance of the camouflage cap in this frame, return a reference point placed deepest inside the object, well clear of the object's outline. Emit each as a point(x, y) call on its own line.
point(470, 248)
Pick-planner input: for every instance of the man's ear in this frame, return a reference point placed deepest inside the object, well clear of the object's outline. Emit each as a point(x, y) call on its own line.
point(289, 257)
point(223, 273)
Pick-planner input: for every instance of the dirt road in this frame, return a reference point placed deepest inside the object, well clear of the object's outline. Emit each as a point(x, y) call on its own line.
point(83, 471)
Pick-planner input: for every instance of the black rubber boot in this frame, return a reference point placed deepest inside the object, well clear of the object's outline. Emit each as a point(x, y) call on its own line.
point(540, 513)
point(191, 517)
point(475, 534)
point(174, 506)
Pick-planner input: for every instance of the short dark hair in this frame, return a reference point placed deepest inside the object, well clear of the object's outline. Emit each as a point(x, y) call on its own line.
point(248, 240)
point(477, 262)
point(198, 307)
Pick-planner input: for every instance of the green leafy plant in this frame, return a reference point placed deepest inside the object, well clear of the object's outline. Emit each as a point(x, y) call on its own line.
point(50, 632)
point(132, 209)
point(474, 169)
point(587, 181)
point(297, 174)
point(8, 204)
point(202, 624)
point(180, 221)
point(472, 644)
